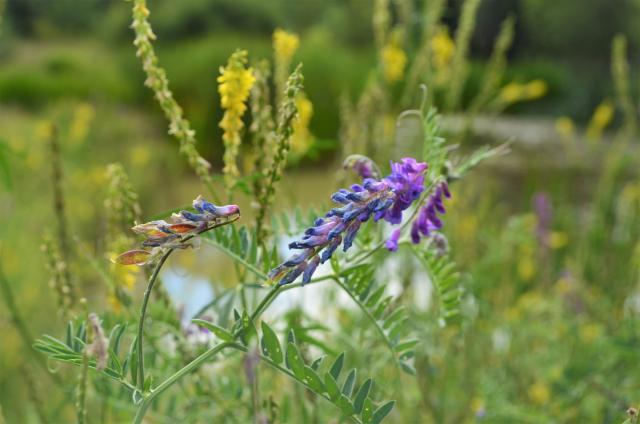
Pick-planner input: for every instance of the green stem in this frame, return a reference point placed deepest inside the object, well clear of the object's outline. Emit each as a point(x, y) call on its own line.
point(191, 366)
point(143, 313)
point(236, 258)
point(372, 319)
point(19, 324)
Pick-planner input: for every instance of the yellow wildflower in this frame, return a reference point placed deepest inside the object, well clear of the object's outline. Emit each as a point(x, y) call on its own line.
point(394, 61)
point(81, 123)
point(557, 239)
point(601, 118)
point(526, 268)
point(565, 127)
point(302, 139)
point(140, 156)
point(535, 89)
point(511, 93)
point(589, 332)
point(234, 84)
point(515, 92)
point(285, 45)
point(539, 393)
point(443, 48)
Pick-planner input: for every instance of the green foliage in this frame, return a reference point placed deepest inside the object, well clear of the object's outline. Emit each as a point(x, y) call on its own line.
point(350, 404)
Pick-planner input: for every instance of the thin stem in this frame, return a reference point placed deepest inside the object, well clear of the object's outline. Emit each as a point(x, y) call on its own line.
point(191, 366)
point(262, 306)
point(20, 325)
point(237, 258)
point(59, 203)
point(372, 319)
point(143, 313)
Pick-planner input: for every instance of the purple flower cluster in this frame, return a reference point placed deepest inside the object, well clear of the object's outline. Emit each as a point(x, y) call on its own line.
point(427, 220)
point(381, 199)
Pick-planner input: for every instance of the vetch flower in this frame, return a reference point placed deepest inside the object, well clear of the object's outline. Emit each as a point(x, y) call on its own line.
point(178, 234)
point(378, 199)
point(392, 242)
point(428, 220)
point(363, 166)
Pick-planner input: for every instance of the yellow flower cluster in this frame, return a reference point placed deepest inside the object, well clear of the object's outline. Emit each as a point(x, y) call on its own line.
point(302, 139)
point(394, 60)
point(285, 45)
point(443, 48)
point(565, 127)
point(515, 92)
point(234, 84)
point(601, 118)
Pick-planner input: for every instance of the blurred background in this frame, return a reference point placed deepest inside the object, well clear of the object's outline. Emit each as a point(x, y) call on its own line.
point(547, 237)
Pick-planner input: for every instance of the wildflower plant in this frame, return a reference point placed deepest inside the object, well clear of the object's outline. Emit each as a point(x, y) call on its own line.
point(167, 349)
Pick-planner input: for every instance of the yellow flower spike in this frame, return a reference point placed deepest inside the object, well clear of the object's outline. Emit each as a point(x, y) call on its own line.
point(234, 85)
point(600, 120)
point(511, 93)
point(285, 45)
point(565, 127)
point(443, 48)
point(81, 123)
point(535, 89)
point(302, 139)
point(394, 60)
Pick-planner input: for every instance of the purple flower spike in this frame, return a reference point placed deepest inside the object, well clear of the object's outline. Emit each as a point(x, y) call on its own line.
point(392, 243)
point(386, 199)
point(428, 220)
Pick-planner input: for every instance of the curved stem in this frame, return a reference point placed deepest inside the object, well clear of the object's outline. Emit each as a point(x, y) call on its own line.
point(143, 313)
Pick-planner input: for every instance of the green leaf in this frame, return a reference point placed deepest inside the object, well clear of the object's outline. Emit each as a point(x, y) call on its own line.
point(409, 369)
point(406, 345)
point(393, 317)
point(222, 333)
point(316, 364)
point(69, 335)
point(375, 297)
point(133, 361)
point(361, 395)
point(332, 386)
point(313, 380)
point(345, 405)
point(367, 411)
point(337, 367)
point(347, 388)
point(380, 413)
point(248, 327)
point(294, 361)
point(271, 344)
